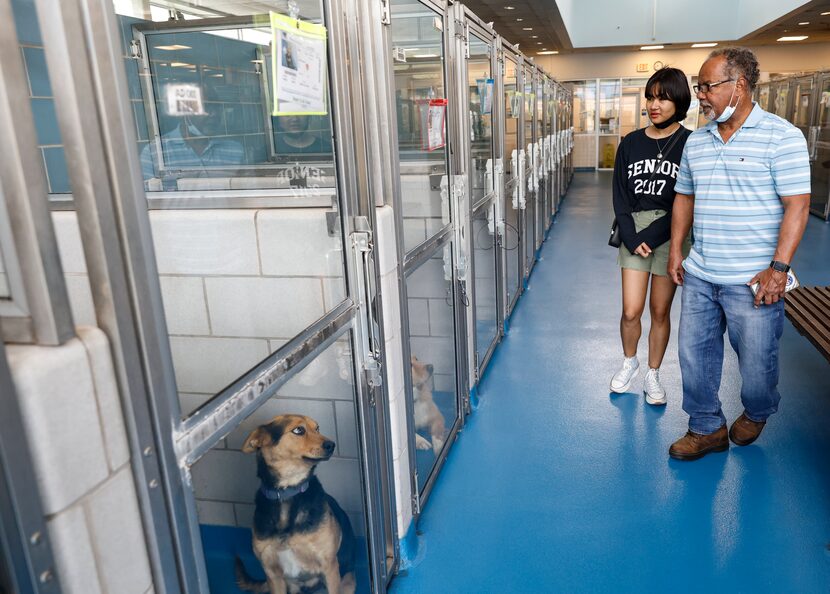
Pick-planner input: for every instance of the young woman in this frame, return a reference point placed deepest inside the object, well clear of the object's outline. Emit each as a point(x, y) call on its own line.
point(644, 175)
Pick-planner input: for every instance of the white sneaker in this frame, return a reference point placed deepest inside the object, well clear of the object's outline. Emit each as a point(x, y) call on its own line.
point(655, 394)
point(621, 381)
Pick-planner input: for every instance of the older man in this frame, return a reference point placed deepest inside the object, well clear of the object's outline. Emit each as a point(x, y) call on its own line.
point(744, 182)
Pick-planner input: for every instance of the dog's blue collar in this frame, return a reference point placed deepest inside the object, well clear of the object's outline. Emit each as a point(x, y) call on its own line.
point(283, 494)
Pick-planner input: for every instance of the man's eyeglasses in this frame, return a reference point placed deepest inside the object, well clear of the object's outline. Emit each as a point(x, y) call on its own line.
point(705, 87)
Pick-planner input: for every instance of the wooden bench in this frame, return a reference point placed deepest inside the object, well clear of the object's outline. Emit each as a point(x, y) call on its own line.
point(808, 308)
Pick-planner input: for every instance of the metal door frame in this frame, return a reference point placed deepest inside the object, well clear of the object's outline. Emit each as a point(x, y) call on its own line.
point(474, 25)
point(509, 52)
point(822, 79)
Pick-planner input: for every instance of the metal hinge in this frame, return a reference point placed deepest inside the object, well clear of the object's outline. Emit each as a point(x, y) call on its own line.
point(373, 376)
point(385, 13)
point(135, 49)
point(416, 499)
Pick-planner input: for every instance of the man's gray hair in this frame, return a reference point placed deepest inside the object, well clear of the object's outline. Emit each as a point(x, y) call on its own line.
point(740, 61)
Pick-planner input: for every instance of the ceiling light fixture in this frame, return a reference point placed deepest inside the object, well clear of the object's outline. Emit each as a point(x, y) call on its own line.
point(825, 13)
point(651, 47)
point(510, 8)
point(527, 28)
point(805, 23)
point(172, 48)
point(534, 37)
point(704, 44)
point(519, 20)
point(547, 52)
point(793, 38)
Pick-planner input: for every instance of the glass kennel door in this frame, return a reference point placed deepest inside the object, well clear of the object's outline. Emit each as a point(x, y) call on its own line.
point(529, 140)
point(513, 190)
point(264, 275)
point(479, 96)
point(432, 291)
point(820, 166)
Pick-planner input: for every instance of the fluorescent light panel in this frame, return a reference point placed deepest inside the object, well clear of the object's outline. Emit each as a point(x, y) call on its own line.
point(172, 48)
point(547, 53)
point(793, 38)
point(651, 47)
point(704, 44)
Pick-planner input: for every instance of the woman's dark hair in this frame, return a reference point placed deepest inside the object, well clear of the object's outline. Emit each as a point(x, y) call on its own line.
point(671, 84)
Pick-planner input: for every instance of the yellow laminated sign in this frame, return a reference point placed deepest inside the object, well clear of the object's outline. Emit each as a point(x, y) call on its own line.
point(299, 63)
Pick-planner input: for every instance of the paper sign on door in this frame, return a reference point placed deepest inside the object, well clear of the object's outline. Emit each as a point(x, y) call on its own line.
point(298, 62)
point(433, 120)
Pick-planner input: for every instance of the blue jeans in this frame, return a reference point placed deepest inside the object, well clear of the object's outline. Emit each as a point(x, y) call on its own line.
point(708, 310)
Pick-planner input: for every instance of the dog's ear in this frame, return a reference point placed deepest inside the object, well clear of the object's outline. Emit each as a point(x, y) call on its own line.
point(259, 438)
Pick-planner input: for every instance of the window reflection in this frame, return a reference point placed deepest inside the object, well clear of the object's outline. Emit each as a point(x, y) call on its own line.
point(481, 87)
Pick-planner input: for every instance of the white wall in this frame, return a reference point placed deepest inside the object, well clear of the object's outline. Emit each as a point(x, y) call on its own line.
point(772, 58)
point(75, 429)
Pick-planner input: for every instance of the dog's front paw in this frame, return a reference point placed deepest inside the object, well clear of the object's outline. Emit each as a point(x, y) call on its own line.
point(437, 444)
point(421, 443)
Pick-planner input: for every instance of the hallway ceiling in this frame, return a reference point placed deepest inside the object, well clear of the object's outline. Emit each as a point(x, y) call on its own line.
point(630, 24)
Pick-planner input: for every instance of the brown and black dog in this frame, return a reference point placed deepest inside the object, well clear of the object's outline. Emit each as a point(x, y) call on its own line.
point(301, 536)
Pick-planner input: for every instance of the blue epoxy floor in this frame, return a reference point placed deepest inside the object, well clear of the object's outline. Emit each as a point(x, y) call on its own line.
point(556, 486)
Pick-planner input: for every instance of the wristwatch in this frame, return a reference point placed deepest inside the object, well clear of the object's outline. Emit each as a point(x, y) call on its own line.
point(779, 266)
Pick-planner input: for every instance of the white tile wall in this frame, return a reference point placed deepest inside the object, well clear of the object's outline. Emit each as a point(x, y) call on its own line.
point(117, 536)
point(440, 318)
point(206, 365)
point(72, 548)
point(427, 280)
point(205, 241)
point(414, 232)
point(418, 316)
point(217, 513)
point(391, 304)
point(185, 306)
point(385, 246)
point(419, 200)
point(347, 440)
point(60, 413)
point(264, 307)
point(106, 392)
point(68, 236)
point(297, 243)
point(80, 299)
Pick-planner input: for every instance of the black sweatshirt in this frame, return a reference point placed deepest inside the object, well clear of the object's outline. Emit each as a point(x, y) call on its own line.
point(633, 192)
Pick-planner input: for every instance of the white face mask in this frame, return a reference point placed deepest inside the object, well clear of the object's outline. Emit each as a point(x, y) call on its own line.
point(727, 113)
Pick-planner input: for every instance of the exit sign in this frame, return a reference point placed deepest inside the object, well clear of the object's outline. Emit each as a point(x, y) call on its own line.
point(642, 67)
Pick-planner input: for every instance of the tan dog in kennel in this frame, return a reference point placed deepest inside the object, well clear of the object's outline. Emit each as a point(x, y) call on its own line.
point(427, 415)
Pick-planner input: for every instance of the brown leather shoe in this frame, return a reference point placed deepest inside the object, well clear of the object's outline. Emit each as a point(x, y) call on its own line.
point(694, 445)
point(744, 430)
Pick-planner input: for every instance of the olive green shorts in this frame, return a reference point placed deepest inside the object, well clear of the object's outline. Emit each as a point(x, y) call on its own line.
point(656, 263)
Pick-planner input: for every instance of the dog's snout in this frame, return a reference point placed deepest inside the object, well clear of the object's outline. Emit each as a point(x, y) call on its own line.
point(328, 446)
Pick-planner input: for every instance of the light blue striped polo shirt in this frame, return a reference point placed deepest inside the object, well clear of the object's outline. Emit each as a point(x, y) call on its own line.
point(737, 188)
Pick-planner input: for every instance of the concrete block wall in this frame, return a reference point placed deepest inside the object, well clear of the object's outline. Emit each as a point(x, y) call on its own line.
point(431, 323)
point(237, 285)
point(585, 150)
point(386, 246)
point(75, 428)
point(425, 210)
